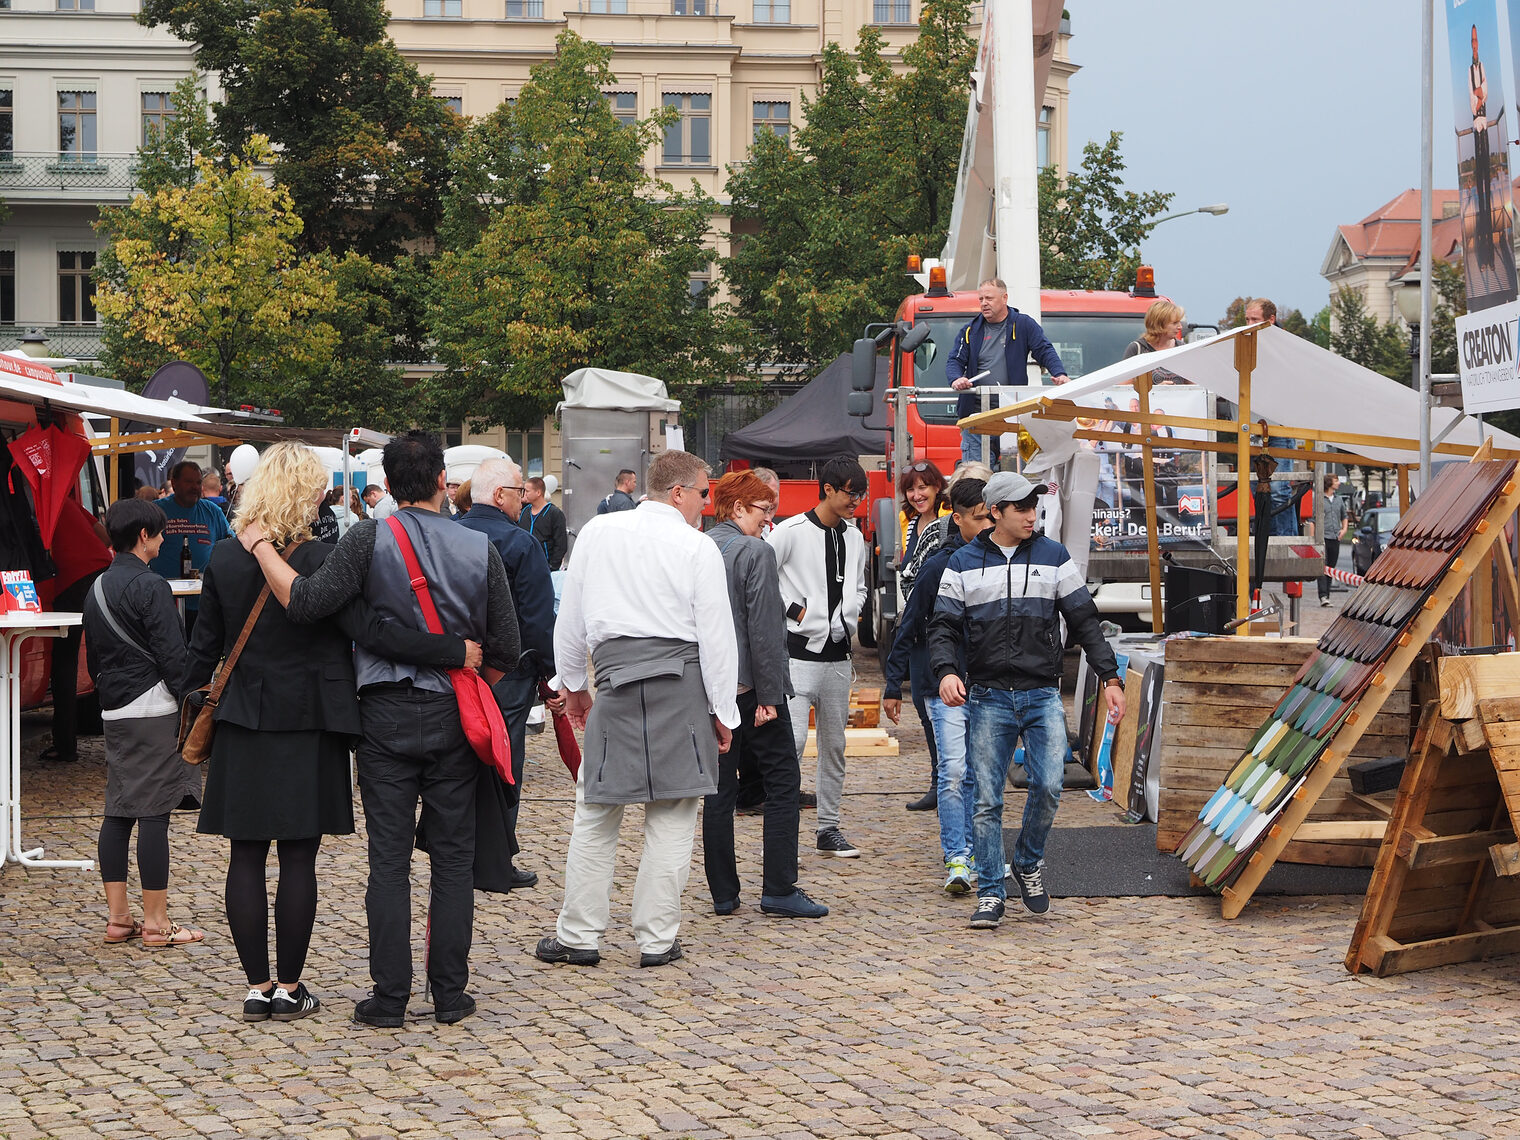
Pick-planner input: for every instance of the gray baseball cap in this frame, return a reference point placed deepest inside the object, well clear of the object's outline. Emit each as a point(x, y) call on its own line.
point(1010, 487)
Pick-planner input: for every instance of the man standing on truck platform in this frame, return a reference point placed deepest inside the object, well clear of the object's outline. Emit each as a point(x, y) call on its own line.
point(996, 631)
point(999, 343)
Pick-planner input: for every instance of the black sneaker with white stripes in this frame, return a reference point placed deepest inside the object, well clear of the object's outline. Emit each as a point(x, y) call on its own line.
point(988, 913)
point(293, 1007)
point(256, 1004)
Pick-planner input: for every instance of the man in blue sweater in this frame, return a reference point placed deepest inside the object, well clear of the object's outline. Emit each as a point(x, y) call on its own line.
point(496, 497)
point(994, 349)
point(996, 631)
point(956, 788)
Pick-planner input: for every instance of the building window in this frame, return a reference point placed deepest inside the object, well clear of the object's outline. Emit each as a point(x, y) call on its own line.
point(454, 103)
point(773, 117)
point(527, 447)
point(157, 113)
point(698, 287)
point(75, 5)
point(76, 289)
point(442, 8)
point(688, 139)
point(689, 7)
point(890, 12)
point(7, 286)
point(525, 9)
point(76, 124)
point(773, 11)
point(625, 107)
point(610, 7)
point(7, 108)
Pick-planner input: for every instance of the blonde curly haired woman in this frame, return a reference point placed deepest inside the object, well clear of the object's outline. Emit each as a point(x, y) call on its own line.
point(278, 770)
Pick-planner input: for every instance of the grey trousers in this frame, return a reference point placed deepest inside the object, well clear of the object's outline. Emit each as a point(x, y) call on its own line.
point(825, 687)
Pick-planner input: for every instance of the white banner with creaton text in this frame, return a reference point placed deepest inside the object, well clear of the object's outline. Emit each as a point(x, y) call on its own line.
point(1486, 356)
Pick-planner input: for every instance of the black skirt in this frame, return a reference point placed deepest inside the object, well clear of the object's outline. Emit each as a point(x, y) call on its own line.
point(276, 785)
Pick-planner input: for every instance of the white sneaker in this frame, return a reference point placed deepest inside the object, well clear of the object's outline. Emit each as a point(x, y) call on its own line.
point(958, 880)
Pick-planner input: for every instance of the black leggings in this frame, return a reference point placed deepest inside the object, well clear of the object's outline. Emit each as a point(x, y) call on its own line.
point(295, 906)
point(152, 850)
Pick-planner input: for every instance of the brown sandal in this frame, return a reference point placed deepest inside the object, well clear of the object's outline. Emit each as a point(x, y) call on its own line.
point(173, 935)
point(119, 932)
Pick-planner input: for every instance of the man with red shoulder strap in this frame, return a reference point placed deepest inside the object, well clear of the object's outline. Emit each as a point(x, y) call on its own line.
point(413, 743)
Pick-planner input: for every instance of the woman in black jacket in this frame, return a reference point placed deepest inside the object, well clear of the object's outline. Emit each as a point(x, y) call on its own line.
point(278, 770)
point(135, 650)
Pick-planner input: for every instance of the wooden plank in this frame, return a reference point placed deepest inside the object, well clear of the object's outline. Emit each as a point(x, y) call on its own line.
point(1329, 854)
point(1505, 858)
point(1264, 697)
point(1328, 829)
point(1283, 650)
point(1122, 757)
point(1467, 680)
point(1232, 673)
point(1393, 670)
point(1449, 951)
point(1444, 849)
point(1499, 709)
point(1509, 587)
point(857, 742)
point(1388, 874)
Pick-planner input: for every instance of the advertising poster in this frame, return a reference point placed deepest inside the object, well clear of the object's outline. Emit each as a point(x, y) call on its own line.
point(1483, 184)
point(1181, 504)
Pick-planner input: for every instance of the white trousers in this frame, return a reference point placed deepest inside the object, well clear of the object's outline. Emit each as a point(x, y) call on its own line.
point(670, 828)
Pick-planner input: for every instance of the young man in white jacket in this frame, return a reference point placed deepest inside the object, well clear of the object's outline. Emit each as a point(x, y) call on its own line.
point(820, 558)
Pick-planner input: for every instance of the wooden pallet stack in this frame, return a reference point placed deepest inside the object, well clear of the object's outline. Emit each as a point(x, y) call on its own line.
point(864, 735)
point(1446, 887)
point(1218, 691)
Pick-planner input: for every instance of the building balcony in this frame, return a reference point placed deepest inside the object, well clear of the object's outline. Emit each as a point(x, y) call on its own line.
point(48, 176)
point(79, 342)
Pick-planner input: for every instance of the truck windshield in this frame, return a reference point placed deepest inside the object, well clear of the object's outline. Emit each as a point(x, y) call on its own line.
point(1085, 344)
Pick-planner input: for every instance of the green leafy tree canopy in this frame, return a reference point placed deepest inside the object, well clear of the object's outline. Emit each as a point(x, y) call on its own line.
point(562, 252)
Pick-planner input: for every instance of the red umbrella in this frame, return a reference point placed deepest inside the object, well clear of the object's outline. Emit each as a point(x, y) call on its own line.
point(564, 735)
point(51, 461)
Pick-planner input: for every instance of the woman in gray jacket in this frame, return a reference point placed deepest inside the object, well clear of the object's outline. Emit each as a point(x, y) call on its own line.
point(764, 737)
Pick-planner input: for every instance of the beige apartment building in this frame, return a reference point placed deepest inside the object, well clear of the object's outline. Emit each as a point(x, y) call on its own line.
point(732, 68)
point(80, 81)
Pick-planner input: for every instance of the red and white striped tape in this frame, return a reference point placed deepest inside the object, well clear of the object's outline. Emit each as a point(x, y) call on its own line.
point(1345, 576)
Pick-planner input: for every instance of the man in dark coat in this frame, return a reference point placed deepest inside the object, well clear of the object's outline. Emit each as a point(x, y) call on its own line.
point(496, 500)
point(544, 521)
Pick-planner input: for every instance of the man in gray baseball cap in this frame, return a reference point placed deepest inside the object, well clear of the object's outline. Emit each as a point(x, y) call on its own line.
point(1000, 604)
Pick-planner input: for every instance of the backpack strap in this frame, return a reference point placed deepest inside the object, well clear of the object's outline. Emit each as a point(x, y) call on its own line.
point(99, 590)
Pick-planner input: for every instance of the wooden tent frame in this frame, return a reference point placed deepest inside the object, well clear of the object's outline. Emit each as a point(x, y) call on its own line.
point(1051, 407)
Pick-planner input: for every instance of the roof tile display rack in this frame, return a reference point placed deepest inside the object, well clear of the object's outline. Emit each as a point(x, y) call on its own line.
point(1296, 752)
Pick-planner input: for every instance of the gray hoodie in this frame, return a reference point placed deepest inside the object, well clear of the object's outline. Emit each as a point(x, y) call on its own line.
point(754, 592)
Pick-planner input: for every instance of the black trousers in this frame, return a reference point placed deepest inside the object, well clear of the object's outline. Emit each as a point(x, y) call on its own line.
point(64, 679)
point(771, 750)
point(516, 694)
point(414, 747)
point(921, 678)
point(1332, 556)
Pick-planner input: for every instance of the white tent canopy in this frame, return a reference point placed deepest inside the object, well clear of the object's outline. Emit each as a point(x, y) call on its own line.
point(30, 383)
point(1294, 383)
point(616, 391)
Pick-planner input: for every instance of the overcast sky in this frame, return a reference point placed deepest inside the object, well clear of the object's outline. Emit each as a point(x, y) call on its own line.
point(1301, 115)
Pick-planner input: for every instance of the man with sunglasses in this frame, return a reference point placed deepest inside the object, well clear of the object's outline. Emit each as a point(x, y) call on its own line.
point(995, 645)
point(820, 560)
point(646, 607)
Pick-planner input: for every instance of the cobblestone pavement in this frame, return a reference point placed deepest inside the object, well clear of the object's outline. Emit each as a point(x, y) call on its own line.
point(1123, 1017)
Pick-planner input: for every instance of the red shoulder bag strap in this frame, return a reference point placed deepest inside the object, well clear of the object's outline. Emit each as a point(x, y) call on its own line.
point(414, 571)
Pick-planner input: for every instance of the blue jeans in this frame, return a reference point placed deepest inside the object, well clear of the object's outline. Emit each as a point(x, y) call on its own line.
point(972, 445)
point(957, 788)
point(998, 718)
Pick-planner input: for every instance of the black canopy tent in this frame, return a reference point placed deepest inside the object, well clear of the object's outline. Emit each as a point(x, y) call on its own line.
point(812, 424)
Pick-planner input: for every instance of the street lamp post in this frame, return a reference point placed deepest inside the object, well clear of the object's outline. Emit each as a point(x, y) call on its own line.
point(1407, 298)
point(1216, 209)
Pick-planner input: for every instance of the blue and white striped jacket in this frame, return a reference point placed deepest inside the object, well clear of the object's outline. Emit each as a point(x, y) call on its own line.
point(1005, 613)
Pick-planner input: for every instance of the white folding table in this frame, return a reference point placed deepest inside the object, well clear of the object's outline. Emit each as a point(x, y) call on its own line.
point(15, 627)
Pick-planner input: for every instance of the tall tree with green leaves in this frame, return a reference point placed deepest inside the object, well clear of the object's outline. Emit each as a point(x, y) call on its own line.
point(1358, 335)
point(209, 273)
point(562, 252)
point(361, 143)
point(1091, 227)
point(824, 220)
